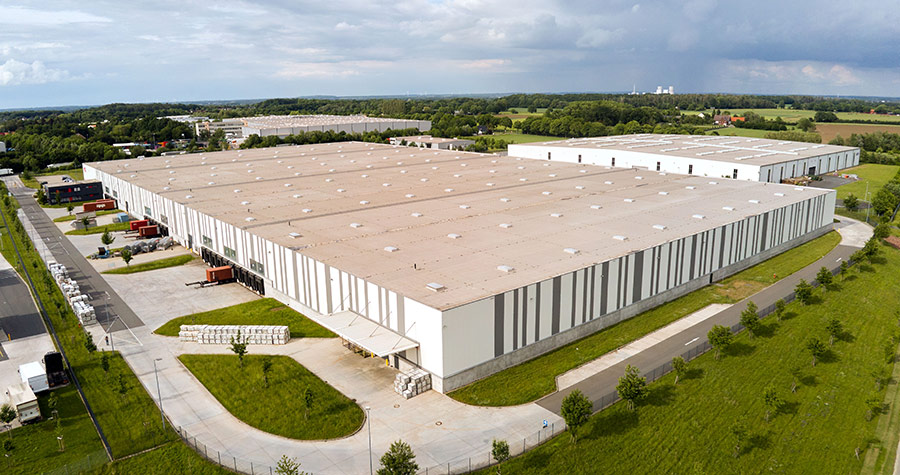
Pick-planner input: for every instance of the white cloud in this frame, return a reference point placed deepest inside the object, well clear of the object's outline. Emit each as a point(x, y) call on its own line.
point(28, 16)
point(843, 76)
point(343, 26)
point(14, 73)
point(484, 64)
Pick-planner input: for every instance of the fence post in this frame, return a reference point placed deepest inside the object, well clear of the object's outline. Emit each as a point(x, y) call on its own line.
point(448, 468)
point(470, 464)
point(220, 457)
point(234, 459)
point(206, 451)
point(251, 468)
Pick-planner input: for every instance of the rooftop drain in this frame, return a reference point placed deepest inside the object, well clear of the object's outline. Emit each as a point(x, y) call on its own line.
point(506, 269)
point(435, 287)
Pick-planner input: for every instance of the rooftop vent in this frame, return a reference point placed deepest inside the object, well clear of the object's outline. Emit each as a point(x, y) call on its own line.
point(364, 202)
point(294, 235)
point(556, 215)
point(756, 202)
point(582, 171)
point(341, 190)
point(307, 210)
point(453, 236)
point(664, 193)
point(297, 196)
point(423, 180)
point(456, 176)
point(355, 225)
point(259, 178)
point(713, 183)
point(492, 171)
point(638, 178)
point(464, 206)
point(689, 187)
point(547, 193)
point(698, 216)
point(661, 227)
point(798, 188)
point(385, 184)
point(245, 203)
point(506, 269)
point(435, 287)
point(779, 194)
point(571, 250)
point(166, 188)
point(287, 185)
point(448, 190)
point(596, 207)
point(365, 176)
point(416, 215)
point(489, 184)
point(728, 208)
point(608, 182)
point(237, 190)
point(552, 175)
point(402, 172)
point(629, 200)
point(250, 219)
point(188, 196)
point(391, 249)
point(523, 179)
point(620, 237)
point(579, 187)
point(329, 180)
point(505, 225)
point(410, 195)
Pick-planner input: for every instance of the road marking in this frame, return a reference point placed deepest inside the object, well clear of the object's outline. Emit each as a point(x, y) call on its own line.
point(839, 259)
point(695, 339)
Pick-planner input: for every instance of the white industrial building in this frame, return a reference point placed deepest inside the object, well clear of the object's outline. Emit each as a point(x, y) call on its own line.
point(460, 263)
point(427, 141)
point(740, 158)
point(284, 125)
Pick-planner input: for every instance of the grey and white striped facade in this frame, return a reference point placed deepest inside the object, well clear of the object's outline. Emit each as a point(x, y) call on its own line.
point(461, 344)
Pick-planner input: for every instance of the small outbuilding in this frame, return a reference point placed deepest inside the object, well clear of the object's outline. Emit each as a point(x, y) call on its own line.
point(24, 402)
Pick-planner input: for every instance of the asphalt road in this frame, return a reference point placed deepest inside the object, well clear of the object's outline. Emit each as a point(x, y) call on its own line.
point(19, 317)
point(106, 302)
point(604, 382)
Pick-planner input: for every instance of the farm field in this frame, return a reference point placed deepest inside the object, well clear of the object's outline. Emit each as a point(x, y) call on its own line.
point(519, 113)
point(520, 138)
point(829, 131)
point(793, 115)
point(738, 132)
point(819, 428)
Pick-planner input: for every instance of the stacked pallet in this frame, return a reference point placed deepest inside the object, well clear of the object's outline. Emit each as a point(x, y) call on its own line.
point(78, 301)
point(412, 383)
point(222, 334)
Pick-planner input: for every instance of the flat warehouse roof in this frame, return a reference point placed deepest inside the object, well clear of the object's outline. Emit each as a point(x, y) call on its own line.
point(723, 148)
point(307, 120)
point(475, 224)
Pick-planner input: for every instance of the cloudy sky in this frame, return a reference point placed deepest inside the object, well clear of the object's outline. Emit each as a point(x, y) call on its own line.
point(95, 52)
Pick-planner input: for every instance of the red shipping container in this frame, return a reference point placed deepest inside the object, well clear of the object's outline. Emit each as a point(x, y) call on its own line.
point(148, 231)
point(217, 274)
point(135, 225)
point(99, 205)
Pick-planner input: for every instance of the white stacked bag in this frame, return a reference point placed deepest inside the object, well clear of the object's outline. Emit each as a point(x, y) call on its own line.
point(412, 383)
point(222, 334)
point(78, 301)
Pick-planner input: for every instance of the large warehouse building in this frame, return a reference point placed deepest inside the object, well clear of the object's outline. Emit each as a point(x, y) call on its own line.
point(461, 263)
point(703, 155)
point(284, 125)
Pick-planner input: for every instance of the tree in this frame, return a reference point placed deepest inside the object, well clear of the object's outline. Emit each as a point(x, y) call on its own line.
point(123, 385)
point(288, 466)
point(107, 238)
point(126, 255)
point(871, 248)
point(7, 414)
point(85, 221)
point(882, 231)
point(679, 366)
point(52, 402)
point(834, 328)
point(844, 268)
point(750, 318)
point(398, 460)
point(719, 337)
point(40, 196)
point(816, 348)
point(884, 202)
point(825, 278)
point(70, 207)
point(851, 202)
point(771, 399)
point(266, 368)
point(8, 448)
point(104, 363)
point(89, 342)
point(780, 305)
point(576, 408)
point(308, 399)
point(873, 405)
point(738, 434)
point(803, 291)
point(806, 125)
point(239, 347)
point(632, 387)
point(500, 452)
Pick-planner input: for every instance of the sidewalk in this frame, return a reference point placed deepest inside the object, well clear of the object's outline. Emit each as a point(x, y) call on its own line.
point(854, 235)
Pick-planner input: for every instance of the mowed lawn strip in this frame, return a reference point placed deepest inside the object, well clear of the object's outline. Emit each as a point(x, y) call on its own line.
point(169, 459)
point(874, 174)
point(35, 448)
point(688, 428)
point(100, 229)
point(278, 409)
point(153, 265)
point(258, 312)
point(537, 377)
point(71, 217)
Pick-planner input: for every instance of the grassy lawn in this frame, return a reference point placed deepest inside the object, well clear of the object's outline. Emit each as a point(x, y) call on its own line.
point(153, 265)
point(537, 377)
point(873, 174)
point(258, 312)
point(687, 428)
point(130, 421)
point(99, 229)
point(71, 217)
point(515, 137)
point(76, 174)
point(739, 132)
point(171, 458)
point(35, 447)
point(278, 409)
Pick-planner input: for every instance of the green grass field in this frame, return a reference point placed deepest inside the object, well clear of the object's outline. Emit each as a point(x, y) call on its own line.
point(739, 132)
point(537, 377)
point(873, 174)
point(519, 138)
point(258, 312)
point(71, 217)
point(687, 428)
point(793, 115)
point(99, 229)
point(34, 183)
point(153, 265)
point(169, 459)
point(278, 409)
point(35, 447)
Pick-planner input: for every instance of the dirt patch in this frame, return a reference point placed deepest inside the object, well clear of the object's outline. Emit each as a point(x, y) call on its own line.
point(893, 241)
point(275, 309)
point(740, 289)
point(830, 131)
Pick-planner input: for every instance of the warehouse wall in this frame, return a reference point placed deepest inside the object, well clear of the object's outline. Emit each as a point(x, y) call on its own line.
point(697, 166)
point(306, 284)
point(489, 335)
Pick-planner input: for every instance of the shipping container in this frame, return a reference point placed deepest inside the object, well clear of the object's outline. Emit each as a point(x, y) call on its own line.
point(148, 231)
point(135, 225)
point(218, 274)
point(100, 205)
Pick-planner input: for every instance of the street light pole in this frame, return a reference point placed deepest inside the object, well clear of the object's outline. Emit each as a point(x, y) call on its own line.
point(369, 423)
point(159, 394)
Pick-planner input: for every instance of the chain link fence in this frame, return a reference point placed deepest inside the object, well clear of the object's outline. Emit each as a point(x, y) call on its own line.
point(92, 461)
point(223, 459)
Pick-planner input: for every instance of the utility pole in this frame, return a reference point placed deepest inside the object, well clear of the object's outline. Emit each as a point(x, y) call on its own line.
point(369, 423)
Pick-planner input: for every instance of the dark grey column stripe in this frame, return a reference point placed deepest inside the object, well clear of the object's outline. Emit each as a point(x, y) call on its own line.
point(806, 221)
point(340, 288)
point(590, 311)
point(604, 287)
point(557, 289)
point(498, 325)
point(624, 280)
point(537, 312)
point(328, 288)
point(524, 315)
point(297, 271)
point(652, 270)
point(515, 322)
point(669, 268)
point(638, 276)
point(401, 315)
point(584, 295)
point(619, 284)
point(315, 270)
point(574, 295)
point(763, 245)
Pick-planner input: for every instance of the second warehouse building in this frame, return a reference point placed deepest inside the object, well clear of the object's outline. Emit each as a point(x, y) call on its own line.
point(459, 263)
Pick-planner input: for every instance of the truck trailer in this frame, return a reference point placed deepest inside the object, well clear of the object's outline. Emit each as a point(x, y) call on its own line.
point(34, 375)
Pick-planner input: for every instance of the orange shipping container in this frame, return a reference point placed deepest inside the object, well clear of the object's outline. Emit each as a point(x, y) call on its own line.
point(135, 225)
point(217, 274)
point(148, 231)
